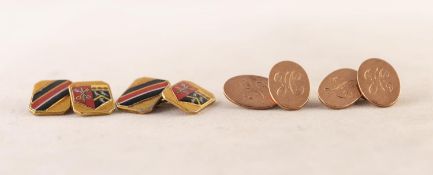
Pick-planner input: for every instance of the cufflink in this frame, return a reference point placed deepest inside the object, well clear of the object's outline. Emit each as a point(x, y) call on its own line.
point(142, 95)
point(50, 97)
point(91, 98)
point(188, 97)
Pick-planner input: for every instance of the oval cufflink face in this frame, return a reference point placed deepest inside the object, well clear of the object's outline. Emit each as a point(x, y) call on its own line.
point(339, 89)
point(379, 82)
point(188, 96)
point(143, 95)
point(50, 97)
point(289, 85)
point(91, 98)
point(249, 91)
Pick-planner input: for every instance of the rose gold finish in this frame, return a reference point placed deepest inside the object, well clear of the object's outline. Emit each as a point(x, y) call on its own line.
point(249, 91)
point(339, 89)
point(378, 82)
point(289, 85)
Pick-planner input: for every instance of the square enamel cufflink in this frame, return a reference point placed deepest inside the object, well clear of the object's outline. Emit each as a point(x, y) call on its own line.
point(50, 97)
point(142, 95)
point(93, 98)
point(188, 97)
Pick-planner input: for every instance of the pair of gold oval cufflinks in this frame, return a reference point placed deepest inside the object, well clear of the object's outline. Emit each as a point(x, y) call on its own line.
point(56, 97)
point(375, 80)
point(288, 87)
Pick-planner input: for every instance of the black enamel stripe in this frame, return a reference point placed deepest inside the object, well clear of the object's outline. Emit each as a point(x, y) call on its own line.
point(47, 89)
point(142, 86)
point(53, 100)
point(141, 97)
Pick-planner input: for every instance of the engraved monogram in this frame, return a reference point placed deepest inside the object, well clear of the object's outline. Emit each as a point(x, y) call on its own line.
point(345, 89)
point(255, 87)
point(379, 79)
point(287, 82)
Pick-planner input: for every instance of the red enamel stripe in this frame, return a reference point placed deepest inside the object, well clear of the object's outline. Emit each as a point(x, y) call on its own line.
point(83, 95)
point(183, 89)
point(142, 91)
point(40, 101)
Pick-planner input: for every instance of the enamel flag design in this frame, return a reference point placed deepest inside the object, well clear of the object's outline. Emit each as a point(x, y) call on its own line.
point(50, 97)
point(143, 95)
point(186, 93)
point(188, 96)
point(91, 98)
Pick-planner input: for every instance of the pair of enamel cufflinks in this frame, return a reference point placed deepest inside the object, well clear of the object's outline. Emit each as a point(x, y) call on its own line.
point(56, 97)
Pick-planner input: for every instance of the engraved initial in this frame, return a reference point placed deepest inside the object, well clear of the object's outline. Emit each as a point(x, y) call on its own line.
point(379, 80)
point(345, 89)
point(287, 82)
point(253, 88)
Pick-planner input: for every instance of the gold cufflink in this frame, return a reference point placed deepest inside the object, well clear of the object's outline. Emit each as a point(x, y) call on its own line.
point(91, 98)
point(289, 85)
point(340, 89)
point(378, 82)
point(142, 95)
point(188, 96)
point(50, 97)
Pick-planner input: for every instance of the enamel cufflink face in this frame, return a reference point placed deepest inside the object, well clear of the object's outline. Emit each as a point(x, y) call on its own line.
point(50, 97)
point(91, 98)
point(188, 96)
point(143, 95)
